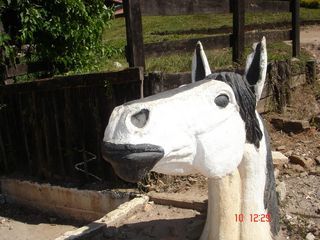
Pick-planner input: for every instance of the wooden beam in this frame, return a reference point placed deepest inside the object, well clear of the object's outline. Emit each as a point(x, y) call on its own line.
point(134, 48)
point(238, 30)
point(185, 7)
point(295, 12)
point(214, 42)
point(188, 7)
point(267, 6)
point(25, 68)
point(186, 45)
point(130, 75)
point(248, 27)
point(271, 36)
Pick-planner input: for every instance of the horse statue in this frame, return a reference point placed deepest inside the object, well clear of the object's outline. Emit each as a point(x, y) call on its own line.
point(211, 127)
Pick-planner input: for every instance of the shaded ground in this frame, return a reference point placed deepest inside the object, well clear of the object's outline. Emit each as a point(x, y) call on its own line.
point(20, 223)
point(159, 222)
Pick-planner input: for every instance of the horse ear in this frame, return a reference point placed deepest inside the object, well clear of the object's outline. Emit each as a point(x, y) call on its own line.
point(256, 67)
point(200, 65)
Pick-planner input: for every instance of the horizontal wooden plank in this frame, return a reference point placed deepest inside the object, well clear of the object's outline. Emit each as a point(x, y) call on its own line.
point(214, 42)
point(267, 6)
point(186, 45)
point(225, 30)
point(188, 7)
point(84, 80)
point(185, 7)
point(22, 69)
point(271, 36)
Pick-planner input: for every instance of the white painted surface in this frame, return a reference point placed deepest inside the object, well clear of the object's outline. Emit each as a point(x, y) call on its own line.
point(258, 87)
point(204, 61)
point(195, 133)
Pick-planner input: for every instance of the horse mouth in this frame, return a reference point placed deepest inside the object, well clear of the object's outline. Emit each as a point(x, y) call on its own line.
point(131, 162)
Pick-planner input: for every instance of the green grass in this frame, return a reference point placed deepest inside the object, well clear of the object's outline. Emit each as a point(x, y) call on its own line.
point(114, 36)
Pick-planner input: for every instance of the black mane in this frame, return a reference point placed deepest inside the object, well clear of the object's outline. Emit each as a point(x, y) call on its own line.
point(246, 101)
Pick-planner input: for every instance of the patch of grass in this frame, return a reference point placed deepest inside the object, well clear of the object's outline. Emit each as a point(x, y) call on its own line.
point(221, 59)
point(310, 3)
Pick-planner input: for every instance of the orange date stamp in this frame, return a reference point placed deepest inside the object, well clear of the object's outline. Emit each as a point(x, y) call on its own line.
point(253, 217)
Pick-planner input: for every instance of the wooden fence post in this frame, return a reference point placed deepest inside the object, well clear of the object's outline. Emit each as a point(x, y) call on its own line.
point(295, 33)
point(238, 29)
point(134, 49)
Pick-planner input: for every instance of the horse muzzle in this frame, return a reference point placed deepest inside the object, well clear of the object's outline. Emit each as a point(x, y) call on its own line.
point(131, 162)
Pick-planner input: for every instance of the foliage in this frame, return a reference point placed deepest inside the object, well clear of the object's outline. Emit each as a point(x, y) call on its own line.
point(64, 33)
point(310, 3)
point(6, 49)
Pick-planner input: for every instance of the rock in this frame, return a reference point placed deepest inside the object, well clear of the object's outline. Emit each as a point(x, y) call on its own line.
point(303, 174)
point(315, 121)
point(288, 153)
point(310, 236)
point(279, 159)
point(315, 171)
point(302, 161)
point(281, 190)
point(297, 168)
point(148, 207)
point(117, 65)
point(289, 125)
point(318, 160)
point(192, 180)
point(276, 173)
point(281, 148)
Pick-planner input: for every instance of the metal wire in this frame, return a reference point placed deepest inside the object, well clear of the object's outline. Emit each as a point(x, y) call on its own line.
point(90, 157)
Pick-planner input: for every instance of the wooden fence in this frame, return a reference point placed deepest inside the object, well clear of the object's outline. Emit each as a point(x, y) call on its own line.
point(134, 10)
point(50, 127)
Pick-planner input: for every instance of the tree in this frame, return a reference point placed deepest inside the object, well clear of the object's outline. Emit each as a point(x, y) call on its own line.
point(66, 34)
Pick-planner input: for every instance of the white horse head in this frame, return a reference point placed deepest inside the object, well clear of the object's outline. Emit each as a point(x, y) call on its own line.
point(209, 126)
point(200, 127)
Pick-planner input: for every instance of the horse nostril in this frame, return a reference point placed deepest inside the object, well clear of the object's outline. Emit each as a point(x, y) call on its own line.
point(140, 119)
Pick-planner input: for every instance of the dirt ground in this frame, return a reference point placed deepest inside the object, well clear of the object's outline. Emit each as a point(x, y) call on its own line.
point(158, 222)
point(299, 186)
point(21, 223)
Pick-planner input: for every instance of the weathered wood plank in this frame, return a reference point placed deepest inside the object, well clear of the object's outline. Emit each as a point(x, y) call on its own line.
point(24, 133)
point(174, 7)
point(187, 45)
point(214, 42)
point(22, 69)
point(295, 18)
point(237, 40)
point(56, 96)
point(134, 48)
point(225, 30)
point(84, 80)
point(271, 36)
point(267, 6)
point(188, 7)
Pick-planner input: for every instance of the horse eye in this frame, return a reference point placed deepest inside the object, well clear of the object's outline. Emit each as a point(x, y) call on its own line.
point(222, 100)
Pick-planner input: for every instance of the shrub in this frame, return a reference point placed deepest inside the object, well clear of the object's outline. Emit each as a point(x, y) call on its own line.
point(310, 3)
point(64, 33)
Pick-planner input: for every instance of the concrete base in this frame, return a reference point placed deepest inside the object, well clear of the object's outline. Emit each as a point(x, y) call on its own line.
point(65, 202)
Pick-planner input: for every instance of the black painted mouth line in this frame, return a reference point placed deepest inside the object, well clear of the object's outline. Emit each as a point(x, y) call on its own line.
point(127, 149)
point(131, 161)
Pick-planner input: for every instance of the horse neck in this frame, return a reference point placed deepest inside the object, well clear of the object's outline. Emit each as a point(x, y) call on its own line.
point(241, 192)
